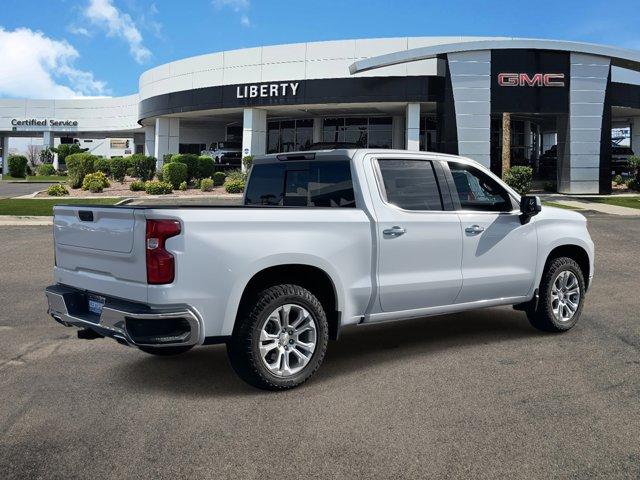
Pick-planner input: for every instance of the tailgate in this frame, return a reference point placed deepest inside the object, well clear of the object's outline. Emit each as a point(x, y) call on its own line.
point(106, 229)
point(101, 249)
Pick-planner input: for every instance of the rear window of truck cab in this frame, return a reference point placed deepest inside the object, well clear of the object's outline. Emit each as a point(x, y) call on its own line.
point(325, 184)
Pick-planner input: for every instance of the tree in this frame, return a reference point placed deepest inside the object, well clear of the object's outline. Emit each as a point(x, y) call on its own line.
point(506, 143)
point(66, 149)
point(46, 155)
point(33, 154)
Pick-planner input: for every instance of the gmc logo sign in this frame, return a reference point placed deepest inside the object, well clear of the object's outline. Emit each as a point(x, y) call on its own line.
point(536, 80)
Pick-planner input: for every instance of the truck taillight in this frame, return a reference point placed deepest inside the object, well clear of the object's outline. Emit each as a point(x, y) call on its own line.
point(160, 263)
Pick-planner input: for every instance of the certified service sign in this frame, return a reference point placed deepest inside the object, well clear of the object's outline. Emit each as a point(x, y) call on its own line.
point(34, 122)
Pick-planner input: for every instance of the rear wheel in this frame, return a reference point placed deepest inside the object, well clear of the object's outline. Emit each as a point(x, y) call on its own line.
point(281, 338)
point(561, 299)
point(166, 351)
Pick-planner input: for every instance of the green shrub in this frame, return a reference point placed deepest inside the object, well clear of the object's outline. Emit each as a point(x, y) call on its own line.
point(95, 182)
point(102, 165)
point(166, 158)
point(618, 180)
point(218, 178)
point(519, 178)
point(550, 186)
point(159, 175)
point(153, 187)
point(57, 190)
point(190, 160)
point(634, 167)
point(183, 186)
point(46, 169)
point(234, 186)
point(205, 166)
point(247, 162)
point(236, 175)
point(136, 186)
point(206, 184)
point(143, 167)
point(18, 166)
point(633, 184)
point(174, 173)
point(118, 168)
point(78, 166)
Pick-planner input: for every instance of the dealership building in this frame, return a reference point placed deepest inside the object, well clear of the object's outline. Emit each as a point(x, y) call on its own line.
point(440, 94)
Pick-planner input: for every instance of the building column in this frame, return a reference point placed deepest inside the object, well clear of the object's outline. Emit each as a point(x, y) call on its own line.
point(587, 90)
point(149, 140)
point(397, 135)
point(317, 130)
point(166, 138)
point(471, 87)
point(47, 142)
point(413, 126)
point(254, 132)
point(635, 135)
point(4, 144)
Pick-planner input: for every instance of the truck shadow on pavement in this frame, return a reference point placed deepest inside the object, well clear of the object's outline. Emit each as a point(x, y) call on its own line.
point(205, 371)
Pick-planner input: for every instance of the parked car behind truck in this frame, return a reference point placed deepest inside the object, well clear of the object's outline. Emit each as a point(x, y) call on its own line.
point(323, 240)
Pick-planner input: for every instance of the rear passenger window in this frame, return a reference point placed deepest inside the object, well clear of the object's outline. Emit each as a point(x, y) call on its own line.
point(410, 184)
point(311, 184)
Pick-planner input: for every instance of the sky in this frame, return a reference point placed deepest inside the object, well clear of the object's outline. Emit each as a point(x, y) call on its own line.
point(67, 49)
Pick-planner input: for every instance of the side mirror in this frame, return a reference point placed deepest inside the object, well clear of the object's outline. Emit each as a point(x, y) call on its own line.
point(530, 205)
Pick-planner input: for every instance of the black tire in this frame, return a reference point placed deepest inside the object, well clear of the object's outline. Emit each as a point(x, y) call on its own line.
point(243, 348)
point(543, 318)
point(166, 351)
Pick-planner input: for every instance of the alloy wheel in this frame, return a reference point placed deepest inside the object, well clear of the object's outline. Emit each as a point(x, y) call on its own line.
point(565, 296)
point(288, 339)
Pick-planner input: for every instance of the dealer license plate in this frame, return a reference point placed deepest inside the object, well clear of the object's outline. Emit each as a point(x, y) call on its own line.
point(95, 304)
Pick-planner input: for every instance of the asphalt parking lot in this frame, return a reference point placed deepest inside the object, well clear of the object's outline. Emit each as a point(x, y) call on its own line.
point(14, 189)
point(475, 395)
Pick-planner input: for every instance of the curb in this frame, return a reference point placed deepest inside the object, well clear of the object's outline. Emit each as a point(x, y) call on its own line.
point(18, 221)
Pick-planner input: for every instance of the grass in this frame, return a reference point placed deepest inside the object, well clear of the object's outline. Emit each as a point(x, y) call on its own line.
point(42, 208)
point(630, 202)
point(36, 178)
point(559, 205)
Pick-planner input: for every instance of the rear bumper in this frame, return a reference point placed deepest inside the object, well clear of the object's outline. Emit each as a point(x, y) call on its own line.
point(129, 323)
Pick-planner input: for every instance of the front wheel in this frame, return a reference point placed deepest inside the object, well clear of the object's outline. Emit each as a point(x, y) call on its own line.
point(562, 290)
point(281, 338)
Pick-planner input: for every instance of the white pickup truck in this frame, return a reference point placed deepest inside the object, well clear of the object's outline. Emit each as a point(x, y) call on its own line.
point(324, 239)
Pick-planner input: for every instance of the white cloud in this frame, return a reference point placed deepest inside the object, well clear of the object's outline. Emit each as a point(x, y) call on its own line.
point(238, 6)
point(118, 24)
point(78, 30)
point(37, 66)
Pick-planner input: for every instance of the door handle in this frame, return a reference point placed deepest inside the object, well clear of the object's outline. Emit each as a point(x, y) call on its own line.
point(474, 229)
point(394, 231)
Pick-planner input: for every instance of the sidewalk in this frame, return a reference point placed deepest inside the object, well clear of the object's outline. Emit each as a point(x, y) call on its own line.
point(583, 203)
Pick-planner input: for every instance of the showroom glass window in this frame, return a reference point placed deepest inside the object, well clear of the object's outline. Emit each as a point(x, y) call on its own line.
point(478, 191)
point(364, 132)
point(311, 184)
point(410, 184)
point(289, 135)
